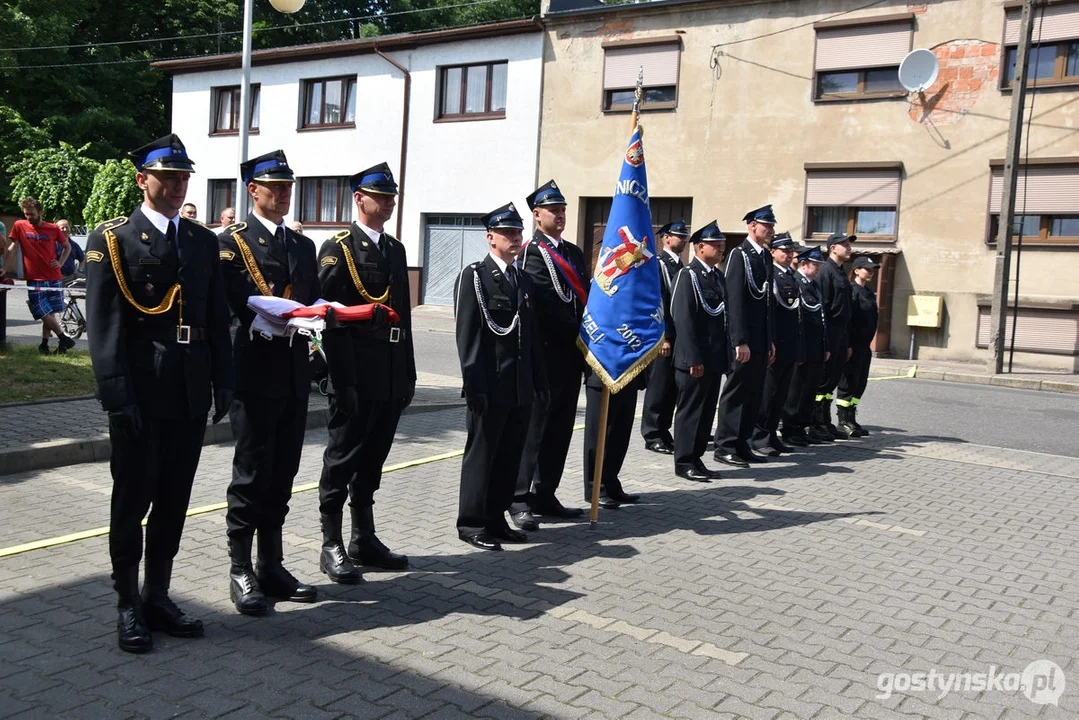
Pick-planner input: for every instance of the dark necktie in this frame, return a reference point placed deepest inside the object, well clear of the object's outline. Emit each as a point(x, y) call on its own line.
point(170, 234)
point(280, 235)
point(511, 275)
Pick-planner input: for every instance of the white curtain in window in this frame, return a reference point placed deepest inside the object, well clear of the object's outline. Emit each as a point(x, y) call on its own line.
point(498, 87)
point(344, 202)
point(328, 207)
point(333, 102)
point(224, 110)
point(254, 107)
point(451, 91)
point(350, 102)
point(308, 197)
point(314, 103)
point(476, 89)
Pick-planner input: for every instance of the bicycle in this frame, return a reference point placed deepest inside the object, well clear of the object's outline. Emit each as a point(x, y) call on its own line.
point(72, 320)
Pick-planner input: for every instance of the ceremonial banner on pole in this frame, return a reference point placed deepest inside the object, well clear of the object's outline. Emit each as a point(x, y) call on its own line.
point(622, 328)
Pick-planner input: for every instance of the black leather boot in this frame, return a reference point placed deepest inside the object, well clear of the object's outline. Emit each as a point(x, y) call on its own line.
point(817, 429)
point(274, 580)
point(332, 560)
point(859, 430)
point(160, 611)
point(366, 549)
point(132, 632)
point(826, 421)
point(846, 426)
point(243, 586)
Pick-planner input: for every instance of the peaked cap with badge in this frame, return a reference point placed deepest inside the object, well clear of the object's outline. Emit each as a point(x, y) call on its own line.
point(504, 217)
point(166, 153)
point(708, 233)
point(677, 228)
point(377, 179)
point(762, 214)
point(546, 194)
point(271, 167)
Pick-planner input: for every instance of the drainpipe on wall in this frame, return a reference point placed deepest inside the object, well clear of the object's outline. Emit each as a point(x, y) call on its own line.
point(404, 137)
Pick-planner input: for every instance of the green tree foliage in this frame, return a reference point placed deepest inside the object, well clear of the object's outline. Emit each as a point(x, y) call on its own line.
point(115, 192)
point(16, 135)
point(61, 177)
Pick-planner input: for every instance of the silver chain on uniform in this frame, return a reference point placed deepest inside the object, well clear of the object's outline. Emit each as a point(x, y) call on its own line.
point(751, 280)
point(713, 311)
point(779, 300)
point(565, 296)
point(495, 327)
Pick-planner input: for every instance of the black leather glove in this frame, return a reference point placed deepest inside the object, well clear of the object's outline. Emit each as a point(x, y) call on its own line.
point(477, 404)
point(379, 317)
point(331, 319)
point(222, 403)
point(126, 422)
point(348, 400)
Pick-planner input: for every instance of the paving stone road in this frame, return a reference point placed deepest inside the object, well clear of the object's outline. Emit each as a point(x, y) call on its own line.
point(783, 592)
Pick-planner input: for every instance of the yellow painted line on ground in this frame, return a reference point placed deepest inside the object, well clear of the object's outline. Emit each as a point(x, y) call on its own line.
point(913, 372)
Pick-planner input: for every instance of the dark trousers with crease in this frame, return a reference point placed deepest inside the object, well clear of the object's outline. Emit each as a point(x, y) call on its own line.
point(620, 411)
point(546, 446)
point(269, 436)
point(156, 470)
point(855, 375)
point(833, 369)
point(357, 448)
point(798, 412)
point(777, 383)
point(659, 401)
point(696, 407)
point(740, 404)
point(489, 467)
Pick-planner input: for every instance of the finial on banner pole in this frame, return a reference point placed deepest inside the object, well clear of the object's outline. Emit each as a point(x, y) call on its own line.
point(638, 94)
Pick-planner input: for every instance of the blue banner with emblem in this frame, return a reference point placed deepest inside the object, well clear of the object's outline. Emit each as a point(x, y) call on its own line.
point(622, 329)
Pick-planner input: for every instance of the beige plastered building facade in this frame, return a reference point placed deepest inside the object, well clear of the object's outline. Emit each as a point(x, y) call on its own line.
point(749, 125)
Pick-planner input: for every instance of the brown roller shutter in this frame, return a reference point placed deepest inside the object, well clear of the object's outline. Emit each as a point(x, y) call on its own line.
point(1053, 332)
point(863, 46)
point(621, 65)
point(852, 187)
point(1044, 190)
point(1051, 24)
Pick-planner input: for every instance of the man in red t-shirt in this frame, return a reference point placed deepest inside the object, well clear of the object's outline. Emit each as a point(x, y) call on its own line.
point(41, 268)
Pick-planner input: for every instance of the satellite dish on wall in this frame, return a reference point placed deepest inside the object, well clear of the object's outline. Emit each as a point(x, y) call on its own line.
point(918, 70)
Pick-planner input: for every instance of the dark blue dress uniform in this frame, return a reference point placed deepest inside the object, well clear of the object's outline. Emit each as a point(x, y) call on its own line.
point(558, 312)
point(273, 382)
point(749, 275)
point(502, 372)
point(662, 393)
point(787, 338)
point(863, 326)
point(699, 310)
point(801, 397)
point(374, 375)
point(160, 351)
point(836, 295)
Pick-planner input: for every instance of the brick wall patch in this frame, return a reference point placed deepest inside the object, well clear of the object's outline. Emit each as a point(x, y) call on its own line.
point(967, 67)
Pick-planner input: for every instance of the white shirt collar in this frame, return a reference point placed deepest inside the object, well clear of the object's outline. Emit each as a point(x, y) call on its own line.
point(781, 269)
point(704, 266)
point(502, 263)
point(161, 222)
point(556, 243)
point(373, 235)
point(269, 223)
point(758, 248)
point(673, 254)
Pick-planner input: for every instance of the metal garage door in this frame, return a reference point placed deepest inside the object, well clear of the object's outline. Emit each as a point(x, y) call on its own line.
point(450, 243)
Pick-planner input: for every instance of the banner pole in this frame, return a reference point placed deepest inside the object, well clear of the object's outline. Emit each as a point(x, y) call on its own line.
point(601, 447)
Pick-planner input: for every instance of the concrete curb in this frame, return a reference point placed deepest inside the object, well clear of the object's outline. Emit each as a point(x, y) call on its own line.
point(1070, 387)
point(60, 453)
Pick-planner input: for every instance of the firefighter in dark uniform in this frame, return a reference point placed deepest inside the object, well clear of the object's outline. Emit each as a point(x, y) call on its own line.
point(160, 350)
point(749, 300)
point(701, 350)
point(863, 326)
point(787, 338)
point(375, 379)
point(273, 380)
point(801, 397)
point(660, 396)
point(502, 370)
point(558, 273)
point(836, 295)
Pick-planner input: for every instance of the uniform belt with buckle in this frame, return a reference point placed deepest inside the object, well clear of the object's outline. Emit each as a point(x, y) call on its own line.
point(180, 334)
point(395, 334)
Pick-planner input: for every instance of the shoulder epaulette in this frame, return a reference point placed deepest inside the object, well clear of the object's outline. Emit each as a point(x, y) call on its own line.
point(226, 255)
point(341, 235)
point(236, 227)
point(111, 224)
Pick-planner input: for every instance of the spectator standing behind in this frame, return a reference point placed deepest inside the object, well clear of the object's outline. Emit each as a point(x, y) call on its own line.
point(76, 260)
point(190, 212)
point(41, 268)
point(227, 217)
point(296, 226)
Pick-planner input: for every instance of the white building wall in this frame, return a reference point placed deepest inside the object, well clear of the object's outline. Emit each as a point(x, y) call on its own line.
point(466, 167)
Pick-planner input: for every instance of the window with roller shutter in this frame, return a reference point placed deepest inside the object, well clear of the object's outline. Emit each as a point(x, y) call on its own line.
point(1054, 52)
point(861, 199)
point(1046, 202)
point(859, 59)
point(624, 60)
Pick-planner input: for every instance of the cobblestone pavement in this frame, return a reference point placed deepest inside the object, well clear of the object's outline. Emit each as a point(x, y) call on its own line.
point(783, 592)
